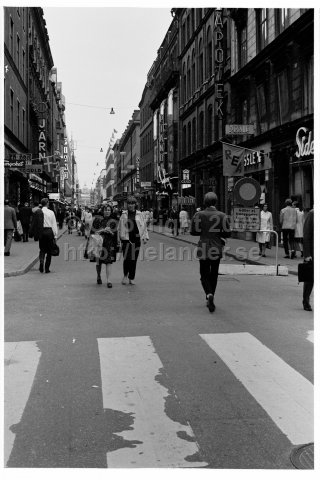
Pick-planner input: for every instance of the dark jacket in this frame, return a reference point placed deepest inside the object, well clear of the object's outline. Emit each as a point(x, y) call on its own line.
point(25, 215)
point(10, 218)
point(308, 234)
point(36, 227)
point(213, 227)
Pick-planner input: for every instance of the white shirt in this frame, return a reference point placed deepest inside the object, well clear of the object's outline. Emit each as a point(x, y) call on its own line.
point(49, 220)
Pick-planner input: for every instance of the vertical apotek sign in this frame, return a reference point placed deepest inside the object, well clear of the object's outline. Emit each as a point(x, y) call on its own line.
point(219, 62)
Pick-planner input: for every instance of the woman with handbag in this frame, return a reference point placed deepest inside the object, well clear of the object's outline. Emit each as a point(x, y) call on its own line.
point(107, 227)
point(132, 230)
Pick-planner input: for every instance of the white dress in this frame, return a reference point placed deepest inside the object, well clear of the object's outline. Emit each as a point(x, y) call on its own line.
point(299, 225)
point(266, 223)
point(183, 218)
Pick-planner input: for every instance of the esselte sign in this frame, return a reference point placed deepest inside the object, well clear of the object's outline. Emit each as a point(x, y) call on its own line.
point(38, 168)
point(239, 129)
point(245, 219)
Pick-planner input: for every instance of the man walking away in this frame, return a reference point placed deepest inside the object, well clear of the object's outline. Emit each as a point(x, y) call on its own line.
point(46, 239)
point(288, 221)
point(308, 233)
point(213, 227)
point(10, 224)
point(25, 218)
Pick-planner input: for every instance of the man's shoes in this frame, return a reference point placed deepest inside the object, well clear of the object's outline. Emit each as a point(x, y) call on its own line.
point(210, 303)
point(293, 255)
point(7, 254)
point(41, 268)
point(47, 270)
point(131, 282)
point(263, 255)
point(124, 280)
point(286, 256)
point(99, 281)
point(307, 306)
point(109, 285)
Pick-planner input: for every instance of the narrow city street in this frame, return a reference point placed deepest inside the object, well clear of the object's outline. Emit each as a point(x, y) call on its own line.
point(144, 376)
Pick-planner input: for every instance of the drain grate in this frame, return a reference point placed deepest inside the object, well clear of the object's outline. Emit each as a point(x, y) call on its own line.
point(303, 457)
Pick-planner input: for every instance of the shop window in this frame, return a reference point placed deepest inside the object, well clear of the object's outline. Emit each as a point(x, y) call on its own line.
point(262, 28)
point(283, 96)
point(308, 95)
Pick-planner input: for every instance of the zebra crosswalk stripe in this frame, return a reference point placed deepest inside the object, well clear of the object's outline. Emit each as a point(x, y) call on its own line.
point(282, 392)
point(21, 361)
point(131, 375)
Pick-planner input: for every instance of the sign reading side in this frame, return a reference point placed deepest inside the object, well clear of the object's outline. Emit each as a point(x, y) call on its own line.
point(245, 219)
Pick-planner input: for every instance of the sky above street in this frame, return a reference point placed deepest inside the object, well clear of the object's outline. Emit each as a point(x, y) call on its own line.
point(102, 56)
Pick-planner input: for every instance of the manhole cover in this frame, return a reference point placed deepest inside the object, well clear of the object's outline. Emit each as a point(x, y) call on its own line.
point(303, 457)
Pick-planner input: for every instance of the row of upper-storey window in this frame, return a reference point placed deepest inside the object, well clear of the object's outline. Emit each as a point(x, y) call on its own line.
point(15, 117)
point(190, 23)
point(16, 49)
point(146, 143)
point(279, 98)
point(199, 132)
point(269, 23)
point(145, 114)
point(198, 67)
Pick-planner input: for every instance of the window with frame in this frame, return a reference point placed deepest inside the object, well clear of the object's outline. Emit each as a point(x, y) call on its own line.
point(308, 86)
point(183, 35)
point(282, 19)
point(189, 138)
point(184, 141)
point(18, 52)
point(11, 30)
point(11, 108)
point(283, 91)
point(242, 46)
point(188, 79)
point(18, 118)
point(194, 135)
point(193, 72)
point(23, 65)
point(209, 125)
point(188, 28)
point(201, 130)
point(184, 84)
point(262, 28)
point(262, 106)
point(200, 64)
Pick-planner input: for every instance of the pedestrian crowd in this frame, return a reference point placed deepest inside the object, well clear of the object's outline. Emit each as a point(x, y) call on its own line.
point(109, 230)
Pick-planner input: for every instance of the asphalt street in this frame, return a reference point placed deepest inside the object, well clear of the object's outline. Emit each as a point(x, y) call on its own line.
point(144, 376)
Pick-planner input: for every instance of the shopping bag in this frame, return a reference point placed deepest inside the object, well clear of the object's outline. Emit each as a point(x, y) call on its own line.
point(55, 250)
point(305, 272)
point(19, 227)
point(94, 246)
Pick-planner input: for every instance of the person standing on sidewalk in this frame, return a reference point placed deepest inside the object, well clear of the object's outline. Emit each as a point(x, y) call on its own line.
point(174, 221)
point(288, 221)
point(132, 230)
point(10, 225)
point(25, 219)
point(308, 247)
point(47, 237)
point(298, 232)
point(266, 223)
point(213, 227)
point(184, 221)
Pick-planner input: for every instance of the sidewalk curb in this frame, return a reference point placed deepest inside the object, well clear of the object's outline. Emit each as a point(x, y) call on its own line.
point(28, 267)
point(232, 255)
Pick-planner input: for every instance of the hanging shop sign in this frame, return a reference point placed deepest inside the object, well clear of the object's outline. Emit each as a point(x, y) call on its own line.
point(305, 142)
point(65, 152)
point(145, 184)
point(36, 168)
point(20, 157)
point(20, 164)
point(185, 177)
point(238, 161)
point(245, 219)
point(240, 129)
point(219, 63)
point(137, 171)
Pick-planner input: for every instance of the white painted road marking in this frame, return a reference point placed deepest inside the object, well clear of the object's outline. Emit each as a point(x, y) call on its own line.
point(129, 367)
point(21, 361)
point(282, 392)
